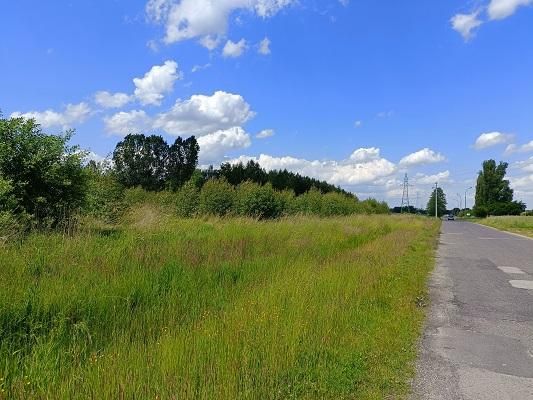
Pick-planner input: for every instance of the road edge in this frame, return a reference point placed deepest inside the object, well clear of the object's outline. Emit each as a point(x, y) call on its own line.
point(499, 230)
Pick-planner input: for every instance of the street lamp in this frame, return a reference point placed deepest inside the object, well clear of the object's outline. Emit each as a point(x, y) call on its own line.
point(466, 191)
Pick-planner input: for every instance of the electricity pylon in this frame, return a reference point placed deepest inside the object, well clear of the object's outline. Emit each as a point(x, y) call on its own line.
point(405, 196)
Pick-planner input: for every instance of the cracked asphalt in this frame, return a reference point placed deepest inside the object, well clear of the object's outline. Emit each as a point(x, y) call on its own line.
point(478, 339)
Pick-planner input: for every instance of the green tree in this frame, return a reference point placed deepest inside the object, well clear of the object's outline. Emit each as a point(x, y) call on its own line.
point(441, 202)
point(493, 192)
point(142, 161)
point(182, 161)
point(41, 175)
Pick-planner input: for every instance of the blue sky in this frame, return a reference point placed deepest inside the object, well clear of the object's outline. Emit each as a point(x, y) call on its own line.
point(354, 92)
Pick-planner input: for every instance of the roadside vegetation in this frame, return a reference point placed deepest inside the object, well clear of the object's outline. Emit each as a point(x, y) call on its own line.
point(517, 224)
point(145, 277)
point(163, 307)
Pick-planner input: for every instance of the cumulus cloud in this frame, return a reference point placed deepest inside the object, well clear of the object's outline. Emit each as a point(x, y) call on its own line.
point(266, 133)
point(500, 9)
point(347, 172)
point(421, 157)
point(160, 80)
point(72, 114)
point(526, 165)
point(465, 24)
point(214, 146)
point(197, 68)
point(363, 155)
point(490, 139)
point(201, 115)
point(264, 47)
point(188, 19)
point(441, 177)
point(124, 123)
point(234, 50)
point(112, 100)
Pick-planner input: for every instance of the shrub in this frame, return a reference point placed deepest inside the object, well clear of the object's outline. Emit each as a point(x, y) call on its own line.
point(257, 201)
point(217, 197)
point(308, 203)
point(481, 211)
point(105, 195)
point(45, 174)
point(187, 200)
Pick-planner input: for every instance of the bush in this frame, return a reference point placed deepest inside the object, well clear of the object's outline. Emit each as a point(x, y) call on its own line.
point(308, 203)
point(217, 197)
point(481, 211)
point(337, 204)
point(187, 200)
point(45, 175)
point(257, 201)
point(105, 195)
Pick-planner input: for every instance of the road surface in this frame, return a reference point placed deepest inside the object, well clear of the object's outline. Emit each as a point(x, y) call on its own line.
point(478, 340)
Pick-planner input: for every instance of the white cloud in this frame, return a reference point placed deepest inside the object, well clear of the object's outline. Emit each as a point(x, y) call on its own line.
point(264, 47)
point(465, 24)
point(156, 83)
point(525, 148)
point(210, 42)
point(490, 139)
point(124, 123)
point(112, 100)
point(188, 19)
point(215, 146)
point(348, 172)
point(201, 115)
point(500, 9)
point(365, 154)
point(441, 177)
point(345, 3)
point(72, 115)
point(358, 124)
point(421, 157)
point(266, 133)
point(234, 50)
point(386, 114)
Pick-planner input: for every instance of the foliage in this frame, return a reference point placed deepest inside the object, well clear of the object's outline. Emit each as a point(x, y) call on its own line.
point(217, 198)
point(40, 175)
point(105, 195)
point(257, 201)
point(494, 195)
point(302, 307)
point(148, 162)
point(441, 203)
point(183, 159)
point(280, 180)
point(188, 200)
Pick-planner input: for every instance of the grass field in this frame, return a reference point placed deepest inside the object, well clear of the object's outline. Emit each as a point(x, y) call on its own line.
point(521, 225)
point(165, 308)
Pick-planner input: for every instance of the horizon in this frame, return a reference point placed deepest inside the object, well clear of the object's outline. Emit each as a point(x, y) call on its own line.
point(356, 94)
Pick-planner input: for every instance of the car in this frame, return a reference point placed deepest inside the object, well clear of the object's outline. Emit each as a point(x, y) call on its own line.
point(450, 217)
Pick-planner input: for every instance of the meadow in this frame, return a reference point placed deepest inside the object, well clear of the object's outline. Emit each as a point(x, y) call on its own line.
point(163, 307)
point(522, 225)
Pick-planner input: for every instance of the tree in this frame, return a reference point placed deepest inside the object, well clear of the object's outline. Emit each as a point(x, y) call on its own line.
point(493, 192)
point(142, 161)
point(182, 162)
point(441, 201)
point(41, 176)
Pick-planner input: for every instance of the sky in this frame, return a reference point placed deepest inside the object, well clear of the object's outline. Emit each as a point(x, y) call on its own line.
point(354, 92)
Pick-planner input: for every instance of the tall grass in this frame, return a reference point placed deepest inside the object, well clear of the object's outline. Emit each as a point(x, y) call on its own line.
point(162, 307)
point(522, 225)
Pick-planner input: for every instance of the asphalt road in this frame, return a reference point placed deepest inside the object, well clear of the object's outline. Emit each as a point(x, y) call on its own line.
point(478, 341)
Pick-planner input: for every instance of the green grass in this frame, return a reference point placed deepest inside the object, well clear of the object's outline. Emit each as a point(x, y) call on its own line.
point(521, 225)
point(165, 308)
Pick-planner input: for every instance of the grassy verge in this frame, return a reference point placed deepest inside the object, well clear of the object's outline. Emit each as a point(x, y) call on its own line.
point(521, 225)
point(302, 308)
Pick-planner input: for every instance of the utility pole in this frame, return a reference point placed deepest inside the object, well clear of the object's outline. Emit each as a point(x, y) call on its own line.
point(459, 201)
point(466, 191)
point(405, 196)
point(436, 200)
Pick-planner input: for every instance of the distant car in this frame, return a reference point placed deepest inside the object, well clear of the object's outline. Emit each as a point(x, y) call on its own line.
point(450, 217)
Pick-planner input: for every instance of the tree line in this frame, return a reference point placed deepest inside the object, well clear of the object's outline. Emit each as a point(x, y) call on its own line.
point(44, 181)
